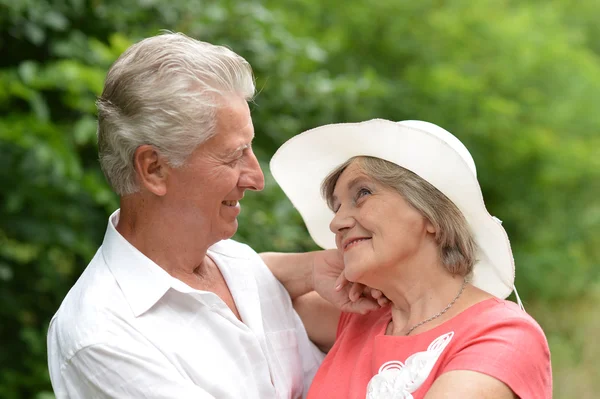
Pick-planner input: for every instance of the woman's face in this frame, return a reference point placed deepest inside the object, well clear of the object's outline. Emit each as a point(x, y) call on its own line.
point(375, 228)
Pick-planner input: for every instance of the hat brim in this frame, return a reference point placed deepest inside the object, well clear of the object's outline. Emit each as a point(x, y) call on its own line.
point(301, 164)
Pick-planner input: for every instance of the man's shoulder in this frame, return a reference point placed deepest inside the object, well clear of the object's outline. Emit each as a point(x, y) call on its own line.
point(239, 261)
point(234, 249)
point(89, 311)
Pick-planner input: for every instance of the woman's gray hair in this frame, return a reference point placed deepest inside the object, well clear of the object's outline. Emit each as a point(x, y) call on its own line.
point(455, 240)
point(164, 91)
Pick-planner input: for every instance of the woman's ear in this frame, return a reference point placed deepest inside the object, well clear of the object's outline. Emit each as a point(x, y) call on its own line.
point(151, 169)
point(429, 227)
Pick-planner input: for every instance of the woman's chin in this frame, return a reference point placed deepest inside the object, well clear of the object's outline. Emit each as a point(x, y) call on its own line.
point(352, 274)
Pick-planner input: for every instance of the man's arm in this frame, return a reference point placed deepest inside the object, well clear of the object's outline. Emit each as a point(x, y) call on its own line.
point(135, 370)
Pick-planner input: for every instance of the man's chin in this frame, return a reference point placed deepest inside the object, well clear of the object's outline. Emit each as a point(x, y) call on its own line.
point(230, 230)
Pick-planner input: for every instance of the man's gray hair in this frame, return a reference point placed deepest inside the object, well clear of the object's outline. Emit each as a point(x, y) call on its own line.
point(164, 91)
point(455, 241)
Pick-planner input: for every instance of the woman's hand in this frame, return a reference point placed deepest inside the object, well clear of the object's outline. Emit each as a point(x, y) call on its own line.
point(331, 284)
point(321, 271)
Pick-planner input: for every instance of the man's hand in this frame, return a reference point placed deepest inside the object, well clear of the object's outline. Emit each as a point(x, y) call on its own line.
point(331, 284)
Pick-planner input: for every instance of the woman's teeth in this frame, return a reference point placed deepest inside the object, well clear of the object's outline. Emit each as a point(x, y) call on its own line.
point(355, 242)
point(229, 203)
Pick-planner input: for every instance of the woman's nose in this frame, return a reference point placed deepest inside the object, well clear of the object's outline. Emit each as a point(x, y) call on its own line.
point(341, 221)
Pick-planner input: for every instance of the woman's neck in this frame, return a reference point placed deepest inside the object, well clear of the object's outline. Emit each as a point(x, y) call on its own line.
point(418, 291)
point(432, 300)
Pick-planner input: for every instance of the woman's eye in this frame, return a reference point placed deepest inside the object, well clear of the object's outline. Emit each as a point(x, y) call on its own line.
point(362, 192)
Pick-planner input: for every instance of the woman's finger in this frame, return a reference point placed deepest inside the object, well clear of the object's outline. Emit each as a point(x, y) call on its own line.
point(341, 282)
point(356, 291)
point(376, 293)
point(383, 301)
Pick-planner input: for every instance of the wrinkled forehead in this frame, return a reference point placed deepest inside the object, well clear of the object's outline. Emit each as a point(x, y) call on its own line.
point(353, 170)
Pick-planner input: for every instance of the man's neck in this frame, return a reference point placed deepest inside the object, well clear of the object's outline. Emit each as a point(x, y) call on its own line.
point(180, 253)
point(182, 257)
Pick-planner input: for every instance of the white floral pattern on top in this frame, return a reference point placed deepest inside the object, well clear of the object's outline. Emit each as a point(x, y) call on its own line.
point(396, 380)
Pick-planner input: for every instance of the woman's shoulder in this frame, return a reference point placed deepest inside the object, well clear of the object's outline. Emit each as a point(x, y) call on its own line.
point(501, 316)
point(494, 308)
point(496, 337)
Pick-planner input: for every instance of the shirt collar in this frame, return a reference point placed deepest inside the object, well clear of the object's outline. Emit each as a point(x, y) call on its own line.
point(141, 280)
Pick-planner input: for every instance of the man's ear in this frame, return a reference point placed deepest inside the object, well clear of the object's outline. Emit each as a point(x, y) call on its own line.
point(151, 169)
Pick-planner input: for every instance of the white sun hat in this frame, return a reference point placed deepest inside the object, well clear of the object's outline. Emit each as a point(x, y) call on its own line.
point(301, 164)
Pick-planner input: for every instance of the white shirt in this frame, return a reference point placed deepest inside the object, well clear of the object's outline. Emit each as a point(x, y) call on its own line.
point(127, 329)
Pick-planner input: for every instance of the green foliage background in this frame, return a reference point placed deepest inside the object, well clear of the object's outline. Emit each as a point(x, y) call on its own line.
point(517, 81)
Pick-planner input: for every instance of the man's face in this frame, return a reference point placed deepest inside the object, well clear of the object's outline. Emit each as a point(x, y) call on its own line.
point(204, 194)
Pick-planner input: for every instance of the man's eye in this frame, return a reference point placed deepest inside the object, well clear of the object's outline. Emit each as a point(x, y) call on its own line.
point(234, 162)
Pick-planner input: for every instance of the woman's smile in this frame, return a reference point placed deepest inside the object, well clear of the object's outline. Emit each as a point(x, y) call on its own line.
point(351, 243)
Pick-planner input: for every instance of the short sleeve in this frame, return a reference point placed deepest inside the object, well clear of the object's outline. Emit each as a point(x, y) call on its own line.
point(513, 350)
point(343, 323)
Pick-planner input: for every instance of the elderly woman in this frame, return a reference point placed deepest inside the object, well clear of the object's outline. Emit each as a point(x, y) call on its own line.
point(410, 221)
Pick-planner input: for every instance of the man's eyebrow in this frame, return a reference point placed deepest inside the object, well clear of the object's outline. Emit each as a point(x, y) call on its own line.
point(235, 152)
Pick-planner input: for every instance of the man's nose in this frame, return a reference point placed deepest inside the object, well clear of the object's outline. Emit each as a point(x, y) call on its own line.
point(252, 177)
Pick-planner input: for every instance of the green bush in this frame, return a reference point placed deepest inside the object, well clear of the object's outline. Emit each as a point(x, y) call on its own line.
point(518, 82)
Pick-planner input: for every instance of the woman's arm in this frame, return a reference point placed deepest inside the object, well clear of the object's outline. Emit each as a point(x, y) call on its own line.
point(507, 356)
point(462, 384)
point(293, 270)
point(320, 271)
point(320, 319)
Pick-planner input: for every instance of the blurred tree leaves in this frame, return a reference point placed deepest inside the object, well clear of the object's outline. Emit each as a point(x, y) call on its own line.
point(518, 82)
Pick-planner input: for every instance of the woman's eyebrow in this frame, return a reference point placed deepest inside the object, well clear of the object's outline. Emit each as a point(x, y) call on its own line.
point(355, 182)
point(351, 184)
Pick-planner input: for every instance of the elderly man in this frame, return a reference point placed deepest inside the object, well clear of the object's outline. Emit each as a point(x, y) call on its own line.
point(170, 307)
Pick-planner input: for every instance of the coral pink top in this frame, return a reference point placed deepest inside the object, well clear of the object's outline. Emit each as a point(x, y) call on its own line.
point(494, 337)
